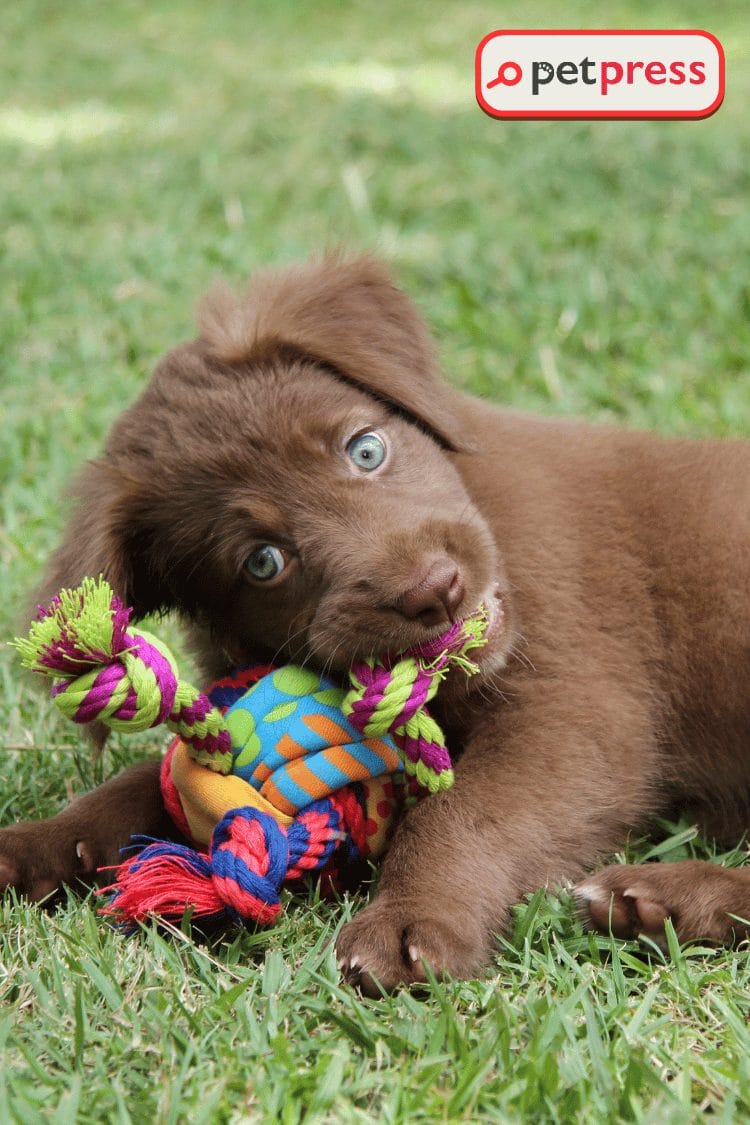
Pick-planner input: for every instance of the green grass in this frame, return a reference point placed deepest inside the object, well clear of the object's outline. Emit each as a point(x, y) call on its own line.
point(592, 268)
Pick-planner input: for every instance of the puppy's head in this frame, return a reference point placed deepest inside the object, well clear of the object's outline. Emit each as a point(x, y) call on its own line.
point(287, 481)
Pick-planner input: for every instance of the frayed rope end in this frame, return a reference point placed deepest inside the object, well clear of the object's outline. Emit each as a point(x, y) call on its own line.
point(79, 628)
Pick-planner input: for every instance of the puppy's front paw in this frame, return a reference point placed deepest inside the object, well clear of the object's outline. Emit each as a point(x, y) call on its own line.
point(698, 897)
point(392, 943)
point(38, 857)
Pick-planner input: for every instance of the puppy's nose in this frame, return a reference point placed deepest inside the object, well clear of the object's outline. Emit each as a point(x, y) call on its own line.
point(435, 598)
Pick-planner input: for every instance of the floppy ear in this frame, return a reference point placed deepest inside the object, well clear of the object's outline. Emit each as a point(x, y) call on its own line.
point(103, 537)
point(348, 315)
point(96, 542)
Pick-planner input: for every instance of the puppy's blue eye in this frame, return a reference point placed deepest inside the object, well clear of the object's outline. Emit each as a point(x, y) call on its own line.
point(367, 451)
point(264, 563)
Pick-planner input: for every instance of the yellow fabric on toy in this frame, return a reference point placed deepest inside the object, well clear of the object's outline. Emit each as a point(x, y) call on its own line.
point(206, 796)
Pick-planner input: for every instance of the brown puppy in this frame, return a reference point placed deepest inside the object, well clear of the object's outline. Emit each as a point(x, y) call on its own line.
point(240, 491)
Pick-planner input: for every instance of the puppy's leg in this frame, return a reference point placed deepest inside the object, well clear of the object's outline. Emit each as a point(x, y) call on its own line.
point(38, 857)
point(545, 787)
point(700, 899)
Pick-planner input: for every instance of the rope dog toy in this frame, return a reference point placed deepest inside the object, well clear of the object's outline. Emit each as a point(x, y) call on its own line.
point(297, 768)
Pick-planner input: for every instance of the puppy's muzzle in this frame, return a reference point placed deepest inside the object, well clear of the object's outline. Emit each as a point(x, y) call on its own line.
point(435, 598)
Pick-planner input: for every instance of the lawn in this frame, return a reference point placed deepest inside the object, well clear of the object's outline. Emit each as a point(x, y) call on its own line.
point(565, 267)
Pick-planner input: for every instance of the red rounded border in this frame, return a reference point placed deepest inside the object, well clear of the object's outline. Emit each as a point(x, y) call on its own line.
point(603, 114)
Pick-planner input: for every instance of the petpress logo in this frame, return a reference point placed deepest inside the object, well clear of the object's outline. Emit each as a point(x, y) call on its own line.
point(599, 74)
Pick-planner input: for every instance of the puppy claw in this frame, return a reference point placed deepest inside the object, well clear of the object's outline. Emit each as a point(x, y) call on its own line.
point(392, 944)
point(606, 910)
point(700, 898)
point(86, 857)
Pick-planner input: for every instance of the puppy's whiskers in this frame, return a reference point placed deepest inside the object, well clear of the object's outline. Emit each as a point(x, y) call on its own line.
point(291, 637)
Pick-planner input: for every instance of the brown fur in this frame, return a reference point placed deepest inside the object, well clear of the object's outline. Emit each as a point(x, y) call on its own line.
point(614, 686)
